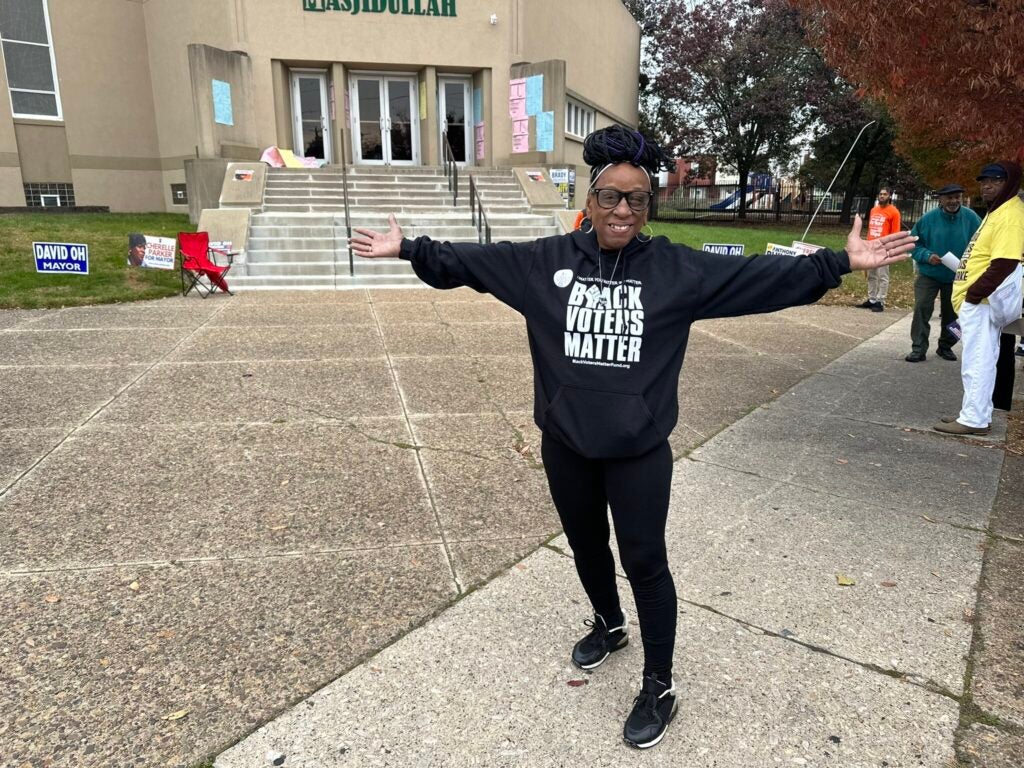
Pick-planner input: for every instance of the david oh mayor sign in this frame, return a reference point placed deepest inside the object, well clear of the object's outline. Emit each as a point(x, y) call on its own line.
point(61, 258)
point(396, 7)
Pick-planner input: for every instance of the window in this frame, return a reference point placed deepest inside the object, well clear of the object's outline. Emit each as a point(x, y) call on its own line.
point(46, 195)
point(579, 120)
point(28, 57)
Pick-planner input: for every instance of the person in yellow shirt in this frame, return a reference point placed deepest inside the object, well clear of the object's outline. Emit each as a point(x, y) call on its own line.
point(987, 294)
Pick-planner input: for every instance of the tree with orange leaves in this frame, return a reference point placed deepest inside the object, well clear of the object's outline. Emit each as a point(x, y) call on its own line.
point(950, 72)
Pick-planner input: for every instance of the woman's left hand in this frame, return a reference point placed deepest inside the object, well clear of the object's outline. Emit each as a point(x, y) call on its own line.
point(871, 254)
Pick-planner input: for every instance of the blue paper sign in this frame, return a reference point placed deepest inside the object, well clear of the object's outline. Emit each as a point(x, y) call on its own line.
point(62, 258)
point(546, 132)
point(534, 95)
point(725, 249)
point(478, 106)
point(222, 103)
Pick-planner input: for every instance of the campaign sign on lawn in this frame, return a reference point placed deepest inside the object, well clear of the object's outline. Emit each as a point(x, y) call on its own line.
point(62, 257)
point(726, 249)
point(806, 249)
point(150, 251)
point(782, 250)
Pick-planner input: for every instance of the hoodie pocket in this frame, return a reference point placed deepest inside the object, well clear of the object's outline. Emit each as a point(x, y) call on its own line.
point(601, 425)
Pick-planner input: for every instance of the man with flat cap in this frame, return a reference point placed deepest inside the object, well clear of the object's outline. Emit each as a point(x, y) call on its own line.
point(987, 294)
point(944, 231)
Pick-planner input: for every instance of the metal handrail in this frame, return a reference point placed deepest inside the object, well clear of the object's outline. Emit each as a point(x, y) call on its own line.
point(451, 169)
point(348, 217)
point(476, 203)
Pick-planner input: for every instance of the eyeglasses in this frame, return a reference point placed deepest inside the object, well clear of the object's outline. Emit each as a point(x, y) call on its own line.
point(610, 198)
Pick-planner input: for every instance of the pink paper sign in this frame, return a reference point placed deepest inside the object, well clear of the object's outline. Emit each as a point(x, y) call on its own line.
point(517, 98)
point(521, 143)
point(480, 141)
point(521, 127)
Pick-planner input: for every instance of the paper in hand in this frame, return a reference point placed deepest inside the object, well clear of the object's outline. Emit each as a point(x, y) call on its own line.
point(949, 261)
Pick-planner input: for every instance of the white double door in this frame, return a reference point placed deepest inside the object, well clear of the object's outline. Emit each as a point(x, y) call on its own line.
point(385, 119)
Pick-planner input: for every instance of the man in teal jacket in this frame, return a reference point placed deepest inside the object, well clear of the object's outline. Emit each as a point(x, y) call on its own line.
point(946, 229)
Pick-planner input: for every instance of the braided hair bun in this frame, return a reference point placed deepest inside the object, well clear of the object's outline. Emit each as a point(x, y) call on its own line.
point(618, 144)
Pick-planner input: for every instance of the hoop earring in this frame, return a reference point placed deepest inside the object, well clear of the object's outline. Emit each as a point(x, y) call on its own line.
point(649, 235)
point(584, 224)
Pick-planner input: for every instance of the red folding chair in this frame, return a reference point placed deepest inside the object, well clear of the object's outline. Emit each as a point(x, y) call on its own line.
point(199, 271)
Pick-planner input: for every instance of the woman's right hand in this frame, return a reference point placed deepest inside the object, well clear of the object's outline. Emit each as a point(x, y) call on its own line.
point(378, 245)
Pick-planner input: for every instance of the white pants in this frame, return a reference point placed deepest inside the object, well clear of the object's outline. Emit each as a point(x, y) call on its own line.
point(978, 369)
point(878, 284)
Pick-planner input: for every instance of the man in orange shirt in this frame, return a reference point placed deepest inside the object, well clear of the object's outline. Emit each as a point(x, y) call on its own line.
point(883, 220)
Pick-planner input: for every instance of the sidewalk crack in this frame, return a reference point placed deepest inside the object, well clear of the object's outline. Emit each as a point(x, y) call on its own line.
point(18, 478)
point(459, 587)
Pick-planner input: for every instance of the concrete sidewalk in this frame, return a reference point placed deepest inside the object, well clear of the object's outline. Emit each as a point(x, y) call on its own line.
point(777, 663)
point(212, 510)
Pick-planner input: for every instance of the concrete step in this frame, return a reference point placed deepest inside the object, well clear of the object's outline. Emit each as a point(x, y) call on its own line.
point(301, 231)
point(296, 243)
point(297, 254)
point(340, 267)
point(340, 283)
point(297, 268)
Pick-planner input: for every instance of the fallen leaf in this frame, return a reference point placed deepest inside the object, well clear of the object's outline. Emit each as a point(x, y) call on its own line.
point(52, 598)
point(176, 715)
point(135, 586)
point(844, 581)
point(278, 527)
point(577, 683)
point(520, 566)
point(927, 518)
point(104, 663)
point(842, 461)
point(888, 583)
point(284, 483)
point(936, 574)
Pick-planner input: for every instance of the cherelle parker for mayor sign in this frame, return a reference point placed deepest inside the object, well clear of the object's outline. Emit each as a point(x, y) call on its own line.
point(396, 7)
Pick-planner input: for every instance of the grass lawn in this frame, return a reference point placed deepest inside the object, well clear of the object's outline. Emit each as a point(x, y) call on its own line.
point(110, 279)
point(756, 236)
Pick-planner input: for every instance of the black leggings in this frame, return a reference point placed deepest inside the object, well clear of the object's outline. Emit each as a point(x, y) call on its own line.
point(637, 490)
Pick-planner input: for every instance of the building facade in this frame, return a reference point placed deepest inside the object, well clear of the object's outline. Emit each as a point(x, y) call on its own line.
point(106, 100)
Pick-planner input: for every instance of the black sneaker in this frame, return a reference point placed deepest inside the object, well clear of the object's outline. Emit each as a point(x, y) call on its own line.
point(652, 711)
point(1020, 350)
point(946, 354)
point(599, 643)
point(877, 306)
point(866, 305)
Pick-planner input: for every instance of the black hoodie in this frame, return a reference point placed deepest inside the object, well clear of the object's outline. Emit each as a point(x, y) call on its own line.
point(607, 349)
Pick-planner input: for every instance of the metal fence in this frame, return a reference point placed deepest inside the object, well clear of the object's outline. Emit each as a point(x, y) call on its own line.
point(770, 201)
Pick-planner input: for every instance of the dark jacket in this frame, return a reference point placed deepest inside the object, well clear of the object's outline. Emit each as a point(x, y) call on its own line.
point(607, 355)
point(939, 233)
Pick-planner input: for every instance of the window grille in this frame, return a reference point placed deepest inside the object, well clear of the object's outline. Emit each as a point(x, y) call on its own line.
point(28, 58)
